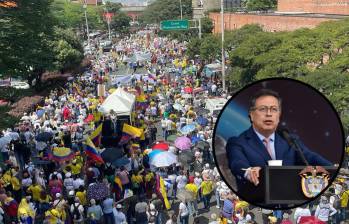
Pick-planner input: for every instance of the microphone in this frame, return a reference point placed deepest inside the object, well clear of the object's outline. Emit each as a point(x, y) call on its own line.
point(292, 141)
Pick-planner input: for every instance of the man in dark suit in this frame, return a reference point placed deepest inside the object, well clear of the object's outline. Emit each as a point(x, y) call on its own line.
point(252, 150)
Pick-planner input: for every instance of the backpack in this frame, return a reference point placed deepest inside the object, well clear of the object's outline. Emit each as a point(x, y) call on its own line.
point(153, 217)
point(76, 213)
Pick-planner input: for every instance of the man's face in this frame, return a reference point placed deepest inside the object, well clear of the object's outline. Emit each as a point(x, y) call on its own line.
point(265, 116)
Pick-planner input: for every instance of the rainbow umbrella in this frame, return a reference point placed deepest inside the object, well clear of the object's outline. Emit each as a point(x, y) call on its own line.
point(61, 154)
point(161, 146)
point(154, 152)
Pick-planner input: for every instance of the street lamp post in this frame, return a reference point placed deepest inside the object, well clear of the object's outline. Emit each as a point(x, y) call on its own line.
point(108, 17)
point(87, 30)
point(180, 5)
point(223, 52)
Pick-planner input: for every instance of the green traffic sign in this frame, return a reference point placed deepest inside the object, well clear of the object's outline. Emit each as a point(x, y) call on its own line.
point(174, 25)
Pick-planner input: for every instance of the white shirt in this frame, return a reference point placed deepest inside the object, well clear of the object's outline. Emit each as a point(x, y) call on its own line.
point(184, 209)
point(181, 181)
point(301, 212)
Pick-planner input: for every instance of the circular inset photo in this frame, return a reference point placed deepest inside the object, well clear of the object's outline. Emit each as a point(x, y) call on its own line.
point(278, 143)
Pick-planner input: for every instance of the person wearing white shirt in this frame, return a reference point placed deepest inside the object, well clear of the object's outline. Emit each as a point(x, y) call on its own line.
point(181, 181)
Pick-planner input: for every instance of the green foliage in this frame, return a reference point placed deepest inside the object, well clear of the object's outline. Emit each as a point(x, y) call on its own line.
point(72, 15)
point(68, 49)
point(166, 10)
point(24, 45)
point(260, 5)
point(206, 25)
point(210, 48)
point(121, 23)
point(193, 47)
point(113, 7)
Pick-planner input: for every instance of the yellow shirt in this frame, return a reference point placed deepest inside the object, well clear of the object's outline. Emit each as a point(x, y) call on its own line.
point(82, 197)
point(75, 169)
point(36, 190)
point(16, 185)
point(344, 199)
point(206, 187)
point(47, 199)
point(192, 188)
point(6, 178)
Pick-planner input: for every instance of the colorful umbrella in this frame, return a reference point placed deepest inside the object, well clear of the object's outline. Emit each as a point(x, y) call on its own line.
point(160, 146)
point(202, 121)
point(171, 138)
point(163, 159)
point(44, 137)
point(310, 220)
point(112, 154)
point(154, 152)
point(195, 139)
point(183, 143)
point(121, 162)
point(188, 128)
point(97, 191)
point(186, 157)
point(61, 154)
point(202, 145)
point(39, 113)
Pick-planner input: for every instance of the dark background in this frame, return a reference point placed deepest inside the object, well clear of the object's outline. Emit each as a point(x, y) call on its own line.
point(305, 112)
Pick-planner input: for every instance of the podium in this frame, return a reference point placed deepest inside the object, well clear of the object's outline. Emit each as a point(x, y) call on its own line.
point(279, 185)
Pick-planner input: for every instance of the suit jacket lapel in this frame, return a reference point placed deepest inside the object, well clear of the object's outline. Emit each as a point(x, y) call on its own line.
point(257, 145)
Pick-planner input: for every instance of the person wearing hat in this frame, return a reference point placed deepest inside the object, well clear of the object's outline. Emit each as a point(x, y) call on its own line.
point(94, 212)
point(77, 211)
point(119, 215)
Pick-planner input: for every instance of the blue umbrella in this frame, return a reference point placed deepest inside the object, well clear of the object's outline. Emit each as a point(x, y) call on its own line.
point(44, 137)
point(202, 121)
point(121, 162)
point(195, 139)
point(39, 113)
point(154, 152)
point(188, 128)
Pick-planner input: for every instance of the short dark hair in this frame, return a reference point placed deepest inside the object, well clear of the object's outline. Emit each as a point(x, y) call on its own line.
point(261, 93)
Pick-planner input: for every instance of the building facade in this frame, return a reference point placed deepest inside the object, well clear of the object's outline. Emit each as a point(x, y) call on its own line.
point(290, 15)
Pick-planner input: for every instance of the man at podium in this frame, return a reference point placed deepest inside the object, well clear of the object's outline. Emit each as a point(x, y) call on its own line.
point(262, 144)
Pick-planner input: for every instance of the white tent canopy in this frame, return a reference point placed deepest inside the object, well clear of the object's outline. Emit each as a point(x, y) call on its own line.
point(120, 101)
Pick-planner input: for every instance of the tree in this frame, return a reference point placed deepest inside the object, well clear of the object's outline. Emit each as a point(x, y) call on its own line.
point(25, 44)
point(71, 15)
point(260, 5)
point(68, 49)
point(193, 47)
point(210, 48)
point(206, 25)
point(121, 22)
point(166, 10)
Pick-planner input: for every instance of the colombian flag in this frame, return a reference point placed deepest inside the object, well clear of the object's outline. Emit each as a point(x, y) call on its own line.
point(160, 189)
point(96, 135)
point(91, 151)
point(132, 131)
point(117, 188)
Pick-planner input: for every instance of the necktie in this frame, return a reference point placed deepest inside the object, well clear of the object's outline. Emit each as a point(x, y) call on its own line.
point(267, 145)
